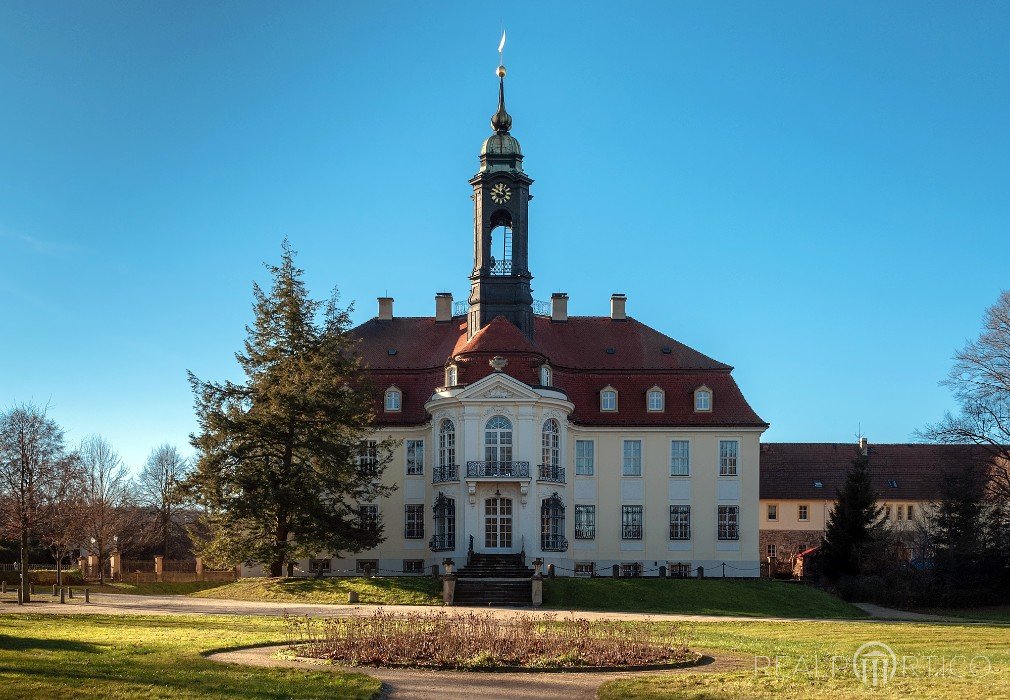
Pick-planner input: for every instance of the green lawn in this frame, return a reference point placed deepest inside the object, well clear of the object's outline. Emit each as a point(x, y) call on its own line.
point(398, 590)
point(164, 588)
point(84, 656)
point(804, 671)
point(992, 613)
point(741, 597)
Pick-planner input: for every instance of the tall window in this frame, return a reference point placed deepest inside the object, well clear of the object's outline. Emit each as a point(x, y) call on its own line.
point(446, 470)
point(444, 539)
point(545, 375)
point(584, 457)
point(729, 522)
point(550, 451)
point(804, 512)
point(368, 516)
point(608, 400)
point(498, 440)
point(773, 512)
point(552, 524)
point(680, 522)
point(729, 451)
point(393, 399)
point(415, 457)
point(413, 519)
point(501, 247)
point(451, 375)
point(703, 400)
point(654, 402)
point(631, 522)
point(585, 522)
point(632, 465)
point(367, 459)
point(680, 458)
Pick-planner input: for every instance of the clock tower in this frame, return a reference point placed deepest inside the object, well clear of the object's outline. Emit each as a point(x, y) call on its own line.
point(500, 281)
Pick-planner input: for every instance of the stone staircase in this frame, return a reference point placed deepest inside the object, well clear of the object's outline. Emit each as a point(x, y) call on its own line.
point(494, 580)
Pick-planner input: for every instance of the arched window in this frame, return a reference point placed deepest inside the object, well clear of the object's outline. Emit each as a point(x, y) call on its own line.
point(550, 452)
point(498, 441)
point(451, 376)
point(444, 539)
point(552, 524)
point(655, 400)
point(394, 399)
point(446, 468)
point(500, 262)
point(545, 375)
point(608, 399)
point(703, 399)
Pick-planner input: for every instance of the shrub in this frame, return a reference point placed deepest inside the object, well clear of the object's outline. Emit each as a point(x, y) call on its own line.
point(444, 640)
point(44, 577)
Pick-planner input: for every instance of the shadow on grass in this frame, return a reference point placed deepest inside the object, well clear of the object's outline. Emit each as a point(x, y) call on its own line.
point(8, 643)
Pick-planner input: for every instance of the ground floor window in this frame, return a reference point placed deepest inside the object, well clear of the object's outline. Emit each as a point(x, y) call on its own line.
point(631, 522)
point(319, 566)
point(363, 566)
point(369, 516)
point(770, 550)
point(552, 525)
point(680, 522)
point(729, 522)
point(444, 539)
point(413, 528)
point(413, 566)
point(584, 568)
point(585, 522)
point(631, 569)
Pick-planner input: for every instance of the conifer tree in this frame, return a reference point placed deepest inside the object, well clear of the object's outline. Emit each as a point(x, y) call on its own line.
point(278, 466)
point(854, 523)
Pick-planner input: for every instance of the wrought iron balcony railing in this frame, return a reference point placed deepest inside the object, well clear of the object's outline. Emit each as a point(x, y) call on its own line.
point(442, 543)
point(540, 307)
point(498, 470)
point(551, 472)
point(501, 267)
point(444, 472)
point(553, 544)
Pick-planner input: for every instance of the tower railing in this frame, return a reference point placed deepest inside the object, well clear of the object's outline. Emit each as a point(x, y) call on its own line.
point(540, 307)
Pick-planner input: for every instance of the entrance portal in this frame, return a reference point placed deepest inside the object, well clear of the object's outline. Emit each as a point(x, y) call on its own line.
point(498, 523)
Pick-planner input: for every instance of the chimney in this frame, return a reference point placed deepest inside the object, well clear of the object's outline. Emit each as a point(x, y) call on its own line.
point(863, 446)
point(617, 302)
point(385, 308)
point(443, 307)
point(559, 306)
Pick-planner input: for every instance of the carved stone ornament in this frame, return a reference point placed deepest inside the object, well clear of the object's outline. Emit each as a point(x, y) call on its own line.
point(524, 491)
point(498, 363)
point(499, 393)
point(472, 492)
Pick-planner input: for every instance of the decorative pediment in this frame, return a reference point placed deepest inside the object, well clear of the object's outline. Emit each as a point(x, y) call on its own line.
point(498, 387)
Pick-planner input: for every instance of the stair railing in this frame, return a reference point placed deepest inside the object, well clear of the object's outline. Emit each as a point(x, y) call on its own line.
point(469, 551)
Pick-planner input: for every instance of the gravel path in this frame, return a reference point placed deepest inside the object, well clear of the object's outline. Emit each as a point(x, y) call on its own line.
point(417, 684)
point(125, 604)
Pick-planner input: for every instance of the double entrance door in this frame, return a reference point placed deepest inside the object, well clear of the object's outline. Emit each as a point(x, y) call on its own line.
point(498, 523)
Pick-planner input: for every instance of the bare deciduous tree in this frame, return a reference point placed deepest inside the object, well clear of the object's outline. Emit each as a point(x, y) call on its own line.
point(105, 495)
point(31, 448)
point(980, 381)
point(60, 529)
point(159, 489)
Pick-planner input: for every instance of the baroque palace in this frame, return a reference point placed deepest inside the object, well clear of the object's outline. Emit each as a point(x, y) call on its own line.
point(587, 442)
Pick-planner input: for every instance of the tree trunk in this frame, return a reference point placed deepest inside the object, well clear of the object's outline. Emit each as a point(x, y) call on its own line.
point(277, 567)
point(26, 588)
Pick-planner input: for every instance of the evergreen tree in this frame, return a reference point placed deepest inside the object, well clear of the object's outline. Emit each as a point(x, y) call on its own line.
point(854, 523)
point(278, 465)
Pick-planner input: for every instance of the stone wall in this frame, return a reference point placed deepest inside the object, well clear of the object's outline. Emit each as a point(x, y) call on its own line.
point(788, 543)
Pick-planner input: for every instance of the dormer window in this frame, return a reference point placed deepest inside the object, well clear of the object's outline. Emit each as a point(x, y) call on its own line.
point(545, 375)
point(655, 401)
point(703, 399)
point(608, 399)
point(394, 400)
point(451, 376)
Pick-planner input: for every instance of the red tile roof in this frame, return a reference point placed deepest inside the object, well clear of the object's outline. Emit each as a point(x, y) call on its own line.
point(790, 470)
point(586, 353)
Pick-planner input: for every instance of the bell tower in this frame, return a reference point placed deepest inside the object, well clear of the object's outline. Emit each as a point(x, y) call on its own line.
point(500, 281)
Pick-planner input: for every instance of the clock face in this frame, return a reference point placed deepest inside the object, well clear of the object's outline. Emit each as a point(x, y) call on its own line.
point(500, 193)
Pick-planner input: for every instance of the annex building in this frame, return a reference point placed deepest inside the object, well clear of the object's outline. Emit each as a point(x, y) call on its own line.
point(586, 441)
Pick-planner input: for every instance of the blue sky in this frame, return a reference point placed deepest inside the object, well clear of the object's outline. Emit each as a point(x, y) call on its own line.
point(815, 193)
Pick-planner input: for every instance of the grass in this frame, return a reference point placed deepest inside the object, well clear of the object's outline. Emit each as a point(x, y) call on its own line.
point(804, 671)
point(398, 590)
point(164, 588)
point(114, 658)
point(736, 597)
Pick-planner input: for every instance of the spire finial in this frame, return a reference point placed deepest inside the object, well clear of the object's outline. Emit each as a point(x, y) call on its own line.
point(501, 122)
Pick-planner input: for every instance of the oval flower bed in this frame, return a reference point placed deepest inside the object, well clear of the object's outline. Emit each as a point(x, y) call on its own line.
point(470, 641)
